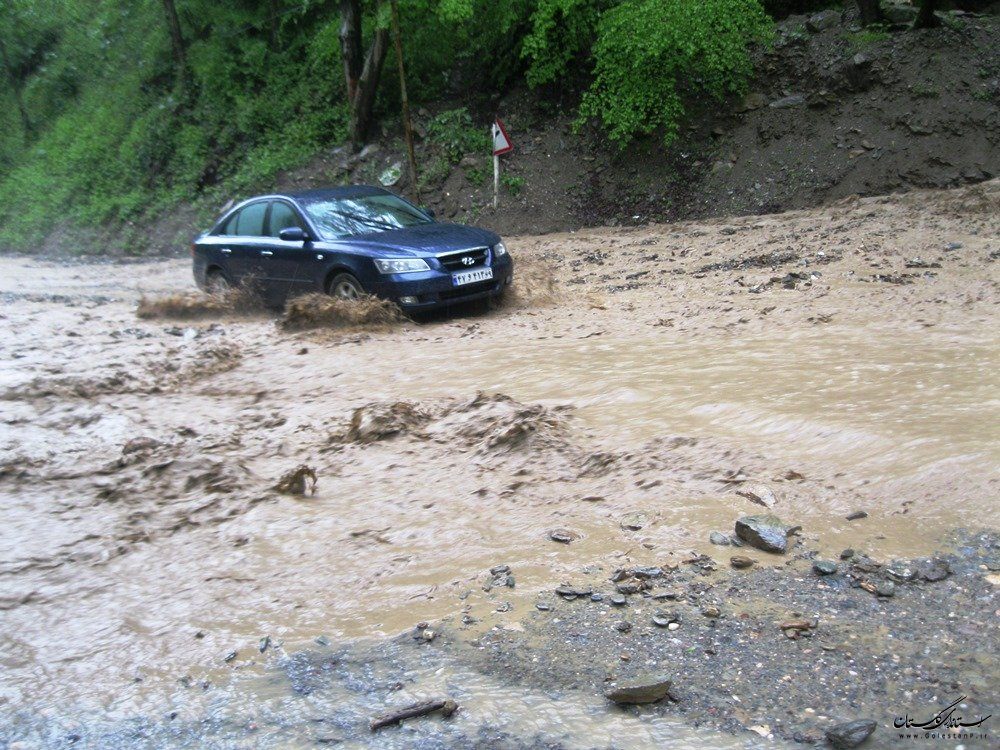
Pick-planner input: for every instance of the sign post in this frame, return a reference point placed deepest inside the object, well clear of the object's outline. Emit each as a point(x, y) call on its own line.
point(501, 145)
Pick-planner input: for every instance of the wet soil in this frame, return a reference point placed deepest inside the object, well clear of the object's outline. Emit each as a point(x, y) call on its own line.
point(640, 388)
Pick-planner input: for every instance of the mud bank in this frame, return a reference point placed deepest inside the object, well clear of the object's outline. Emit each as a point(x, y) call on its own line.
point(659, 384)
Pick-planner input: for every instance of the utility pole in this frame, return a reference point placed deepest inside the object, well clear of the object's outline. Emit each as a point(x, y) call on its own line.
point(408, 129)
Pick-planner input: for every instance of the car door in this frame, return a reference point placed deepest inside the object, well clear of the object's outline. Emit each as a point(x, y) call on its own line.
point(284, 268)
point(249, 246)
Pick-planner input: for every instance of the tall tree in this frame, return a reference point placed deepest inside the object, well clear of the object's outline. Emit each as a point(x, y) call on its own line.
point(926, 18)
point(176, 38)
point(16, 86)
point(361, 71)
point(870, 10)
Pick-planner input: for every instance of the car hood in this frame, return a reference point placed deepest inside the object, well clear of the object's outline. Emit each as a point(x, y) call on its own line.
point(423, 240)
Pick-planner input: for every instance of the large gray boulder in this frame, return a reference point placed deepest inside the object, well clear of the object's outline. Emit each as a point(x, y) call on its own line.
point(766, 532)
point(648, 689)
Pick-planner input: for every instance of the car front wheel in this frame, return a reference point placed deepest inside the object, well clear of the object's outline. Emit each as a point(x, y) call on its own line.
point(345, 286)
point(216, 282)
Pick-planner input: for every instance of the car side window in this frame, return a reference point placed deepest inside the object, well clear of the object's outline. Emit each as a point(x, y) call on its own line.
point(282, 217)
point(251, 220)
point(228, 229)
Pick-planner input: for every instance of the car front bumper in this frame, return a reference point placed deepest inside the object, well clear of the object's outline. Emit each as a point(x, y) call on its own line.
point(431, 289)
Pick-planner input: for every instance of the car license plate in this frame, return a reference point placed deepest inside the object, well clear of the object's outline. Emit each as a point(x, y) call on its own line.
point(471, 277)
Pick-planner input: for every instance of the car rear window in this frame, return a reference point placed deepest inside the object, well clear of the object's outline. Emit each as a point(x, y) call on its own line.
point(251, 220)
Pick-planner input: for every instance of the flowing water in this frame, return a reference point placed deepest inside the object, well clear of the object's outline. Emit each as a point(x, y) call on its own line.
point(902, 425)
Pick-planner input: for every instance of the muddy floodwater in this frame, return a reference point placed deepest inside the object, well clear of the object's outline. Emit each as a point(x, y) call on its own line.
point(638, 392)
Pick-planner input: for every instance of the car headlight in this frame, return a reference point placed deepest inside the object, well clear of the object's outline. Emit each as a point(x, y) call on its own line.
point(499, 249)
point(401, 265)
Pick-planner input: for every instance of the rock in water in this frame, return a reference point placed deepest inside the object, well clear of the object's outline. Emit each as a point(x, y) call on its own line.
point(850, 734)
point(765, 532)
point(824, 567)
point(717, 537)
point(641, 690)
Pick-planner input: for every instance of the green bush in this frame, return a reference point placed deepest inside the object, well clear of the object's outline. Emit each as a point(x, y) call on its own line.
point(650, 54)
point(453, 132)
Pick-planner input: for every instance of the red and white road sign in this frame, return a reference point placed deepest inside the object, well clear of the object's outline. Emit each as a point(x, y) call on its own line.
point(501, 141)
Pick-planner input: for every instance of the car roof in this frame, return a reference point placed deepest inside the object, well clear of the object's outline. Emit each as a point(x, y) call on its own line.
point(343, 191)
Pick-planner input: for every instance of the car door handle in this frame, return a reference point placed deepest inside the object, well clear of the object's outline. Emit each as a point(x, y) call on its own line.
point(225, 250)
point(266, 252)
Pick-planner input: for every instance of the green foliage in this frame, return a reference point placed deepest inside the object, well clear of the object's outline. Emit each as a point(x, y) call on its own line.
point(561, 31)
point(453, 132)
point(514, 184)
point(869, 36)
point(476, 176)
point(649, 54)
point(118, 136)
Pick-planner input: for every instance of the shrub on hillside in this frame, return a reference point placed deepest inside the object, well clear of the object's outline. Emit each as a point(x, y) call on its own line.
point(650, 54)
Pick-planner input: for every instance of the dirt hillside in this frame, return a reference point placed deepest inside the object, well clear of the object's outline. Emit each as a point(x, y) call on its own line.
point(834, 111)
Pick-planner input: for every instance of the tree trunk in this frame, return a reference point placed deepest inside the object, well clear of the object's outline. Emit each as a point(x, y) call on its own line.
point(176, 39)
point(926, 19)
point(361, 77)
point(15, 86)
point(274, 24)
point(405, 100)
point(350, 44)
point(364, 100)
point(871, 11)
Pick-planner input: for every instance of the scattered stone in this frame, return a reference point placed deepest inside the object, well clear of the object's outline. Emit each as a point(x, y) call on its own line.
point(787, 102)
point(850, 734)
point(390, 176)
point(741, 561)
point(543, 606)
point(596, 597)
point(641, 690)
point(825, 567)
point(934, 570)
point(230, 656)
point(901, 15)
point(569, 593)
point(563, 536)
point(758, 493)
point(857, 515)
point(885, 588)
point(619, 600)
point(822, 21)
point(623, 627)
point(766, 532)
point(953, 246)
point(847, 554)
point(712, 611)
point(645, 573)
point(717, 537)
point(753, 100)
point(634, 521)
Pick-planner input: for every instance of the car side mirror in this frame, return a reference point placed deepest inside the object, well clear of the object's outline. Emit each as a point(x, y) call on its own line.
point(293, 234)
point(428, 211)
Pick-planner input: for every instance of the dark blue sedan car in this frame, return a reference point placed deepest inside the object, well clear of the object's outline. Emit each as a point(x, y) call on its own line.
point(346, 241)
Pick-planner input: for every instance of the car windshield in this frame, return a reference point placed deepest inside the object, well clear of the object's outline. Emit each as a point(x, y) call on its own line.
point(346, 217)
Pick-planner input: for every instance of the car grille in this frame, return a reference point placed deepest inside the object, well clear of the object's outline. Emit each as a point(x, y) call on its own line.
point(466, 289)
point(456, 261)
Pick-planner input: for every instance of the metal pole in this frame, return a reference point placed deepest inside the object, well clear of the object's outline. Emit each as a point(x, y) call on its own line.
point(496, 180)
point(406, 102)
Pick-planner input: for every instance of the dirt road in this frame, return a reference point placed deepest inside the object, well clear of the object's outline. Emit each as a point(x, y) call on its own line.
point(639, 391)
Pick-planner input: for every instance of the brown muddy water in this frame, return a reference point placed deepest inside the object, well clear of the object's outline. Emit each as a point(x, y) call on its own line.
point(124, 569)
